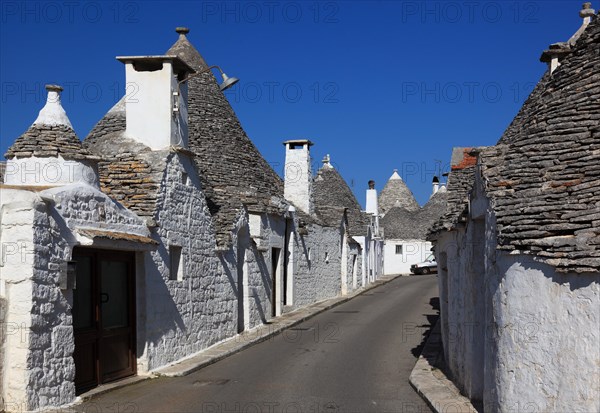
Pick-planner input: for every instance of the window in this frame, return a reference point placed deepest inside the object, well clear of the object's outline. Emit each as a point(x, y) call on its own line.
point(399, 249)
point(327, 257)
point(176, 267)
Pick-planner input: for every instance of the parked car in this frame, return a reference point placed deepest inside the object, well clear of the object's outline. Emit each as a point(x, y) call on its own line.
point(426, 267)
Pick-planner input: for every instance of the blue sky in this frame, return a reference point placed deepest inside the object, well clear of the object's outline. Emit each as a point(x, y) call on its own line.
point(379, 85)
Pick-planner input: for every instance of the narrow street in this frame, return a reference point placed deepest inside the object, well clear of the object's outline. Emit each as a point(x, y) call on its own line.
point(356, 357)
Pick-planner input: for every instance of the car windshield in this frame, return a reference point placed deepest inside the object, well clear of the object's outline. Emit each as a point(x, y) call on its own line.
point(430, 258)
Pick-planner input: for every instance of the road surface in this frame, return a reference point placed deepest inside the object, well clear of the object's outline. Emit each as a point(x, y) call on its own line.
point(355, 357)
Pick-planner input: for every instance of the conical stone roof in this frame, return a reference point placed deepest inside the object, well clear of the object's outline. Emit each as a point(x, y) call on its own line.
point(543, 176)
point(332, 195)
point(232, 170)
point(396, 194)
point(434, 209)
point(401, 223)
point(51, 135)
point(184, 49)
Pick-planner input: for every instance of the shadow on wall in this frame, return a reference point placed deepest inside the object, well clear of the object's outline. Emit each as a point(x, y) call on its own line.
point(583, 280)
point(263, 269)
point(169, 313)
point(228, 262)
point(302, 242)
point(259, 308)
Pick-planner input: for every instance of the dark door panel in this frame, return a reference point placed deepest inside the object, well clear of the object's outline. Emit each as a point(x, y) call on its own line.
point(103, 317)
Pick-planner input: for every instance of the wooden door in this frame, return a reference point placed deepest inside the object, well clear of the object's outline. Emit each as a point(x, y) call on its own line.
point(103, 317)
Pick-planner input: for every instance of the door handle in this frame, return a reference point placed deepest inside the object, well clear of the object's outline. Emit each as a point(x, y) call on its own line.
point(104, 298)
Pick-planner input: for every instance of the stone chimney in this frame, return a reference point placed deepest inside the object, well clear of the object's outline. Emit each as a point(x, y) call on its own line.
point(372, 206)
point(298, 174)
point(436, 185)
point(156, 101)
point(557, 51)
point(49, 153)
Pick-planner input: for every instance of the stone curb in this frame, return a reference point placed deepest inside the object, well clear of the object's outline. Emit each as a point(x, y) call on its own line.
point(431, 383)
point(237, 343)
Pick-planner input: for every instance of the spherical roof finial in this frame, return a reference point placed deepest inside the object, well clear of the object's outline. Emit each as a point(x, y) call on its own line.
point(182, 30)
point(54, 88)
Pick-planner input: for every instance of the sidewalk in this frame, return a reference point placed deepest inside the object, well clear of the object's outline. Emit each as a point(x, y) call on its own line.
point(429, 380)
point(237, 343)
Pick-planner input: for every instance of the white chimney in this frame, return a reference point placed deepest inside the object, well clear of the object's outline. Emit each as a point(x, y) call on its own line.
point(436, 184)
point(298, 174)
point(156, 101)
point(372, 206)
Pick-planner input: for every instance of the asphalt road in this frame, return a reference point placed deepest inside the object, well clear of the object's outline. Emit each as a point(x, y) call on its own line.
point(356, 357)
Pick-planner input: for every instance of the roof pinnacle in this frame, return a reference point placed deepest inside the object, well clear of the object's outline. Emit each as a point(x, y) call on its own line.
point(54, 88)
point(53, 113)
point(182, 30)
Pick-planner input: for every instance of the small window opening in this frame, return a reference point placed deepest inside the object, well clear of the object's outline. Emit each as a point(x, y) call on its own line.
point(399, 249)
point(296, 145)
point(185, 179)
point(176, 267)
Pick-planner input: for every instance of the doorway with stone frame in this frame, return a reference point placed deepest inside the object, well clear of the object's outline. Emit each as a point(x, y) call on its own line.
point(104, 318)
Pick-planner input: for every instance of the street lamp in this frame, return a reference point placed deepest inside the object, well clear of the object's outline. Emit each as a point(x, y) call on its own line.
point(227, 81)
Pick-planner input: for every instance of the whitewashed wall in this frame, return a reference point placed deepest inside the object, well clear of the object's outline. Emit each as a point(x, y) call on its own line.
point(39, 368)
point(413, 252)
point(518, 336)
point(16, 273)
point(354, 264)
point(183, 316)
point(3, 332)
point(546, 337)
point(261, 271)
point(176, 317)
point(315, 277)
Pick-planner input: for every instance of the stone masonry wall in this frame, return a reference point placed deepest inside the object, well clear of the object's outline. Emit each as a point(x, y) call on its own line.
point(315, 277)
point(3, 331)
point(184, 316)
point(39, 368)
point(51, 368)
point(518, 335)
point(261, 271)
point(354, 272)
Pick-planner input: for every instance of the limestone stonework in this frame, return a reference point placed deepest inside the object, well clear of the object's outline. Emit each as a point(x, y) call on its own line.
point(517, 250)
point(216, 248)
